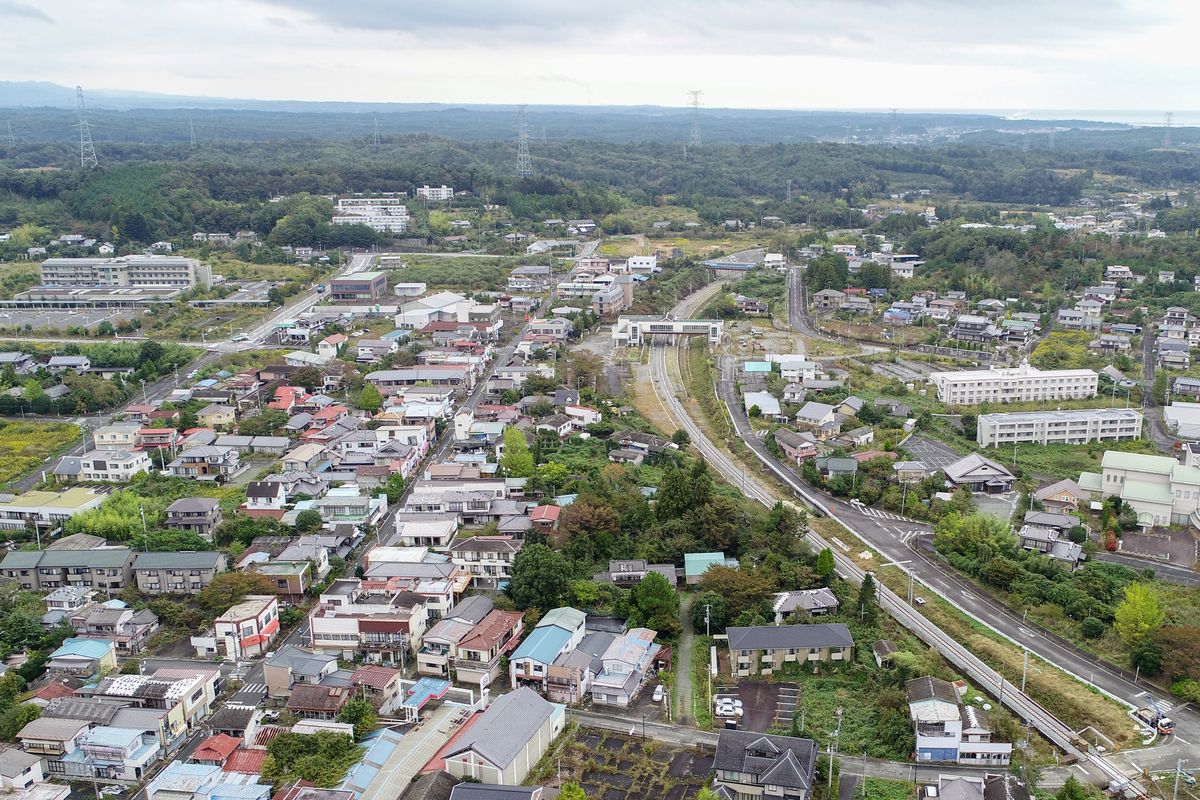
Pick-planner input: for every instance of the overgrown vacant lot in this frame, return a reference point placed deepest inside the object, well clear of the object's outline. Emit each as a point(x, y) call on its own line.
point(25, 446)
point(613, 766)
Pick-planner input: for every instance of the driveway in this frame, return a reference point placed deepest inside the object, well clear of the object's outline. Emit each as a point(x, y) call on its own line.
point(766, 705)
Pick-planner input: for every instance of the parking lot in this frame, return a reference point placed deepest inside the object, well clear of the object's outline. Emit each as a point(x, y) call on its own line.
point(764, 705)
point(1180, 548)
point(39, 318)
point(931, 452)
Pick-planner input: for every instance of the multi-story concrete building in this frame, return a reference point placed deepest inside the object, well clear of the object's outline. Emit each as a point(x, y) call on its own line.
point(762, 649)
point(360, 287)
point(435, 194)
point(146, 271)
point(112, 466)
point(45, 510)
point(635, 330)
point(488, 558)
point(107, 568)
point(1160, 489)
point(1078, 426)
point(244, 631)
point(383, 627)
point(385, 213)
point(177, 573)
point(1013, 384)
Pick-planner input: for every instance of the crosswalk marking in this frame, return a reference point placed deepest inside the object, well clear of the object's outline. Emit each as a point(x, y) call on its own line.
point(253, 688)
point(879, 514)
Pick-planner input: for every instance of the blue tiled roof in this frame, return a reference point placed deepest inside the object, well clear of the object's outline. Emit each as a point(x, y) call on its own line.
point(543, 645)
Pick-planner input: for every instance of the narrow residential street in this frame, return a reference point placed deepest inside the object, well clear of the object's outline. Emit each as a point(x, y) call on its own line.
point(684, 712)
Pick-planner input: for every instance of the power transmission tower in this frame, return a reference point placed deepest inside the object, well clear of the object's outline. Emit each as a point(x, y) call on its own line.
point(192, 131)
point(524, 162)
point(694, 102)
point(1167, 129)
point(892, 124)
point(789, 191)
point(12, 140)
point(87, 150)
point(377, 131)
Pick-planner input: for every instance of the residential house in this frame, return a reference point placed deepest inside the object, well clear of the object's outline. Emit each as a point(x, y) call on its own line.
point(487, 558)
point(206, 463)
point(625, 666)
point(118, 436)
point(752, 765)
point(290, 665)
point(200, 515)
point(309, 701)
point(19, 770)
point(949, 731)
point(507, 739)
point(979, 474)
point(828, 299)
point(559, 631)
point(804, 602)
point(763, 649)
point(216, 416)
point(381, 625)
point(83, 657)
point(177, 573)
point(244, 631)
point(1063, 496)
point(820, 419)
point(696, 564)
point(112, 466)
point(798, 447)
point(630, 572)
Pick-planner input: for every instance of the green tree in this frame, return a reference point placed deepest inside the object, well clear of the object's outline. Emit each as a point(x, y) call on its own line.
point(369, 399)
point(394, 488)
point(681, 438)
point(150, 352)
point(654, 603)
point(309, 520)
point(1091, 628)
point(1146, 656)
point(516, 461)
point(16, 718)
point(229, 588)
point(552, 475)
point(868, 605)
point(714, 618)
point(307, 377)
point(541, 578)
point(362, 715)
point(743, 590)
point(1139, 615)
point(825, 565)
point(275, 296)
point(320, 758)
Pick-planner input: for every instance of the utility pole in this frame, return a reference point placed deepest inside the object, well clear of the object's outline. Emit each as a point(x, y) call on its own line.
point(837, 732)
point(1178, 769)
point(87, 150)
point(707, 619)
point(1025, 670)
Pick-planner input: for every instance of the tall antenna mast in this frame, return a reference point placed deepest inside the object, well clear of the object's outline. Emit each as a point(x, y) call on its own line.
point(892, 123)
point(12, 140)
point(524, 162)
point(694, 102)
point(87, 150)
point(1167, 129)
point(192, 131)
point(377, 131)
point(789, 191)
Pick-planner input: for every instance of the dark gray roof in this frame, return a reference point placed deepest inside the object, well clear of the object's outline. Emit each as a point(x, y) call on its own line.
point(773, 637)
point(930, 688)
point(430, 786)
point(198, 559)
point(785, 761)
point(80, 708)
point(108, 557)
point(193, 505)
point(300, 661)
point(264, 489)
point(482, 791)
point(501, 732)
point(231, 718)
point(1004, 787)
point(14, 761)
point(472, 609)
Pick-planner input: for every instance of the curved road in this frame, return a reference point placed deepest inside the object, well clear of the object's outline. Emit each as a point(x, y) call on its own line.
point(981, 673)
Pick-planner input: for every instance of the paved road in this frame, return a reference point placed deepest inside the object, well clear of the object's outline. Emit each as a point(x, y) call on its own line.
point(1171, 573)
point(901, 540)
point(954, 651)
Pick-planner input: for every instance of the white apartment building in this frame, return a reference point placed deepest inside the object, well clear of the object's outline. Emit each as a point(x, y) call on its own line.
point(386, 213)
point(1013, 385)
point(1060, 427)
point(158, 271)
point(435, 193)
point(642, 265)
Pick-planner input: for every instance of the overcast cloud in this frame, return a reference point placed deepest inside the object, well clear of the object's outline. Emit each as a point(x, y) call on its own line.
point(1023, 54)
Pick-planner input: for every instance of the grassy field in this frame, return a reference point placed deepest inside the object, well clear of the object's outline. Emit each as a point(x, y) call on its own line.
point(25, 446)
point(17, 276)
point(190, 324)
point(459, 273)
point(238, 270)
point(883, 788)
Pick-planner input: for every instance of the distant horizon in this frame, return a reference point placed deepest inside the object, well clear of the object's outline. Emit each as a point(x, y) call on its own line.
point(165, 100)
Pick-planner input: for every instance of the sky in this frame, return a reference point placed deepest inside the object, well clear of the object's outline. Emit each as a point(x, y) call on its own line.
point(1020, 55)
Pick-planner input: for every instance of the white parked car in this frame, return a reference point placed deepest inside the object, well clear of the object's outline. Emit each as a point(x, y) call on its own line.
point(658, 693)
